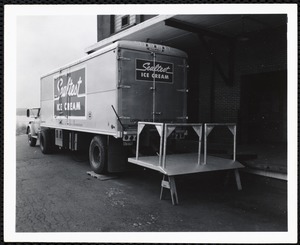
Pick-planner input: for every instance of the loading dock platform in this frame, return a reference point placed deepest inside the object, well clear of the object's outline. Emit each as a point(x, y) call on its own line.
point(171, 165)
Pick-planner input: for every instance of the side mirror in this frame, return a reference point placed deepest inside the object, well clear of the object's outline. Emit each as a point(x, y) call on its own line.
point(28, 113)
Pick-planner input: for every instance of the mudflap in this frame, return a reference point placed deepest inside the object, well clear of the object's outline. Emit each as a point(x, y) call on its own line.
point(117, 155)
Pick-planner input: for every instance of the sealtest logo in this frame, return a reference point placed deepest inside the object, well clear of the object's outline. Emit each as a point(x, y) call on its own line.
point(148, 70)
point(70, 94)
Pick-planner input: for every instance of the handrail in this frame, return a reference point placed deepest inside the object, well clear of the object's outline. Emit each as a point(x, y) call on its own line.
point(165, 129)
point(208, 127)
point(197, 128)
point(164, 133)
point(159, 127)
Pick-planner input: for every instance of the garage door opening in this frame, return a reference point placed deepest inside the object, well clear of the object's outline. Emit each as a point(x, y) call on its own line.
point(263, 119)
point(263, 111)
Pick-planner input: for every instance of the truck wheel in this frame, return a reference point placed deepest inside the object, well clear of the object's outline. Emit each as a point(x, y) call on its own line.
point(98, 155)
point(46, 142)
point(31, 140)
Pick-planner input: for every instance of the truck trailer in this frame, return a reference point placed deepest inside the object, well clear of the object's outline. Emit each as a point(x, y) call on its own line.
point(98, 100)
point(126, 102)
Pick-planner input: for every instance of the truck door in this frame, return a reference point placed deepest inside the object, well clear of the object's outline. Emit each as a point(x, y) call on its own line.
point(135, 86)
point(170, 88)
point(152, 86)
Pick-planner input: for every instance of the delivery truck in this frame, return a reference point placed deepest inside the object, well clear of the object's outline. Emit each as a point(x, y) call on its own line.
point(126, 103)
point(96, 102)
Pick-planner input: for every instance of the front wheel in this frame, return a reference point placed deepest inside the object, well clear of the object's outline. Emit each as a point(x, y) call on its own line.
point(98, 155)
point(46, 141)
point(31, 140)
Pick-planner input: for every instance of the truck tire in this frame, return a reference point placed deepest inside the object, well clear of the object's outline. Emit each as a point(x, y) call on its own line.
point(31, 140)
point(98, 155)
point(46, 142)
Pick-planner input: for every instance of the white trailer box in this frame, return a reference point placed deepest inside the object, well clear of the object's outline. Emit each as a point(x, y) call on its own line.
point(107, 92)
point(131, 80)
point(126, 97)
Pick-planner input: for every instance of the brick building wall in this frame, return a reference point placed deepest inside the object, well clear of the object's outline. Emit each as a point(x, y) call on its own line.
point(211, 98)
point(264, 52)
point(263, 63)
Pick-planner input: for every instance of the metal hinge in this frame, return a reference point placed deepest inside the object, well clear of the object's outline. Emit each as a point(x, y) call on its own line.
point(124, 86)
point(186, 117)
point(123, 58)
point(183, 90)
point(184, 66)
point(156, 113)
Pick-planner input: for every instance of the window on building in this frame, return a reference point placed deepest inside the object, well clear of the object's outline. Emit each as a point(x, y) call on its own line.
point(125, 21)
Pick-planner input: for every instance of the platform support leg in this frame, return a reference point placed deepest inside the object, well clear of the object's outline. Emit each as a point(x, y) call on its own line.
point(169, 184)
point(237, 179)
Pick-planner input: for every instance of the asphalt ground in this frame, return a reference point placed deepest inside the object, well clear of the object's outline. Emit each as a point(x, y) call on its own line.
point(54, 193)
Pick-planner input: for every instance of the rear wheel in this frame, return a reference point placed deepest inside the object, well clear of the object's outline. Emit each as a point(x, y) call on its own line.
point(98, 155)
point(46, 141)
point(31, 140)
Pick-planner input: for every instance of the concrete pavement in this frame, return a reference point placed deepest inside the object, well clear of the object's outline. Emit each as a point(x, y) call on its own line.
point(54, 194)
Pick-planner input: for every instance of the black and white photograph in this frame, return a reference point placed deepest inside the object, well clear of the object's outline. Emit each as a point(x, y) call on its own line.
point(151, 123)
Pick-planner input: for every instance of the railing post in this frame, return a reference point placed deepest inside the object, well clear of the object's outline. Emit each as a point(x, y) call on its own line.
point(165, 146)
point(160, 128)
point(139, 130)
point(234, 143)
point(204, 160)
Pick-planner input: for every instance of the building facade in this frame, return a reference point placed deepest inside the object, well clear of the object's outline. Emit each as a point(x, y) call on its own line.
point(111, 24)
point(238, 68)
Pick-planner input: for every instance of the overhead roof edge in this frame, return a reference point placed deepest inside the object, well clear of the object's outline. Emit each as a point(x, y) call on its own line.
point(125, 33)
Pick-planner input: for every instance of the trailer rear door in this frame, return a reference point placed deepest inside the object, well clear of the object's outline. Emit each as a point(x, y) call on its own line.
point(170, 92)
point(136, 94)
point(152, 86)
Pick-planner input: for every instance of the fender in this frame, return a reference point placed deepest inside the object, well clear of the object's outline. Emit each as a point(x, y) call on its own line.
point(30, 128)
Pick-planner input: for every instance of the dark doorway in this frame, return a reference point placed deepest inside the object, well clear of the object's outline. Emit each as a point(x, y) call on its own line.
point(263, 111)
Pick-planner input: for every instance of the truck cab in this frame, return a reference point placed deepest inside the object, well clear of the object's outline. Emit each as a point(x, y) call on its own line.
point(33, 126)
